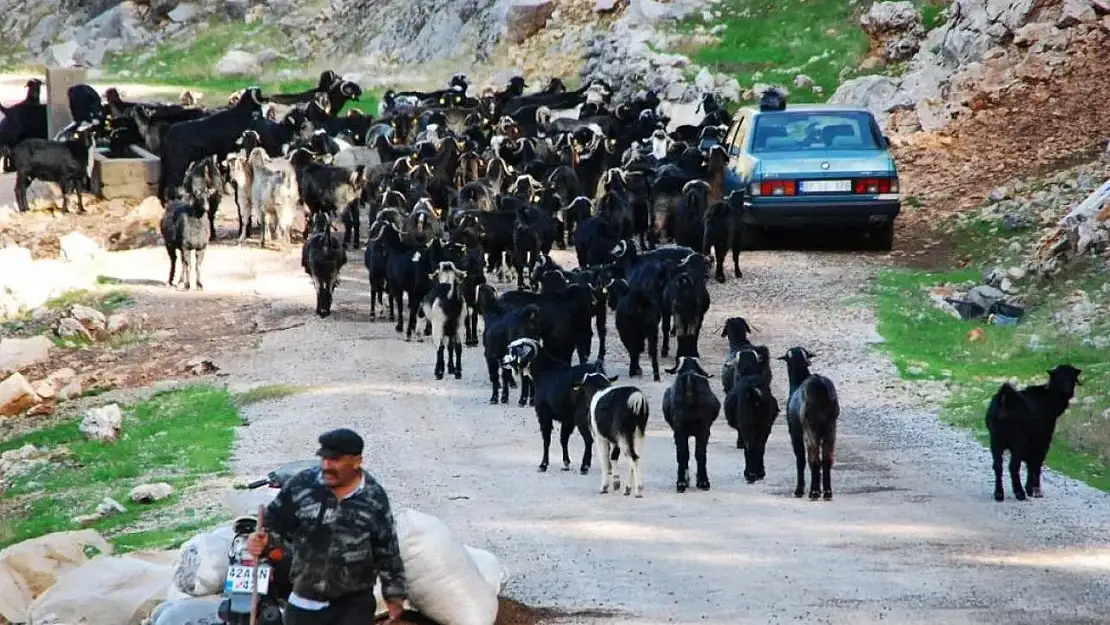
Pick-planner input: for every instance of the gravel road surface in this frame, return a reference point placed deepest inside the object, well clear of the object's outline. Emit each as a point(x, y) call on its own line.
point(912, 535)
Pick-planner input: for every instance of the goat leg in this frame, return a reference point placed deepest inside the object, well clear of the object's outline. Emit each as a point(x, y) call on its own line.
point(494, 369)
point(506, 378)
point(565, 430)
point(701, 443)
point(1015, 475)
point(599, 323)
point(1033, 478)
point(199, 262)
point(996, 465)
point(653, 352)
point(666, 331)
point(173, 264)
point(80, 200)
point(682, 453)
point(800, 459)
point(439, 362)
point(588, 442)
point(457, 346)
point(546, 426)
point(186, 270)
point(826, 468)
point(813, 456)
point(21, 184)
point(607, 471)
point(736, 259)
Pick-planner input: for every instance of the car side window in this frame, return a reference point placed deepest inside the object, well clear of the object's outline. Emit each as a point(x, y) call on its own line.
point(736, 136)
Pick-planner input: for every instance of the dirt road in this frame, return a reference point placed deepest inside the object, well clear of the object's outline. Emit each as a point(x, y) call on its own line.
point(912, 535)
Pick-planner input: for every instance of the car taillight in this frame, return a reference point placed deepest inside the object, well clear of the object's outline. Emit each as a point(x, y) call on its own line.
point(777, 187)
point(872, 186)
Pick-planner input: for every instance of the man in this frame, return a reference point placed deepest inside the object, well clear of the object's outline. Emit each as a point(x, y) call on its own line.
point(338, 522)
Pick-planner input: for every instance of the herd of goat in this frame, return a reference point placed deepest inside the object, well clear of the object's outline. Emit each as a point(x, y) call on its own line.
point(455, 187)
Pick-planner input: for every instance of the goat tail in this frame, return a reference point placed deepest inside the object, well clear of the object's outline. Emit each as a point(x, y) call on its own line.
point(1009, 399)
point(637, 403)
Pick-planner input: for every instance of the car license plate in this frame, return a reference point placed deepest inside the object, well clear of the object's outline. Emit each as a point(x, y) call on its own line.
point(239, 579)
point(826, 186)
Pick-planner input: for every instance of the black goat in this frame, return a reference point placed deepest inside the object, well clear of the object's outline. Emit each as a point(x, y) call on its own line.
point(185, 230)
point(68, 163)
point(690, 408)
point(215, 135)
point(751, 410)
point(736, 330)
point(685, 301)
point(554, 382)
point(637, 315)
point(811, 415)
point(331, 189)
point(322, 258)
point(1023, 422)
point(23, 120)
point(721, 235)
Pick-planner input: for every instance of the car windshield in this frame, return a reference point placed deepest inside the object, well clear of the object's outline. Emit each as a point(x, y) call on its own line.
point(793, 131)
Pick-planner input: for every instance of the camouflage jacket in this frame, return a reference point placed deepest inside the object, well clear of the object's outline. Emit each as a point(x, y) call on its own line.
point(339, 547)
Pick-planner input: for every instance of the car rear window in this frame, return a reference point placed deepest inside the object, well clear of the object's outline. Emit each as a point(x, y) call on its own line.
point(792, 131)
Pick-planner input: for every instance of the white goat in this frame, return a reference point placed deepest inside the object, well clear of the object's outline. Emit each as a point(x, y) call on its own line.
point(274, 195)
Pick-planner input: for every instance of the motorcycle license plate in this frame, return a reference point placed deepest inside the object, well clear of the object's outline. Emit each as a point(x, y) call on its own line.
point(239, 579)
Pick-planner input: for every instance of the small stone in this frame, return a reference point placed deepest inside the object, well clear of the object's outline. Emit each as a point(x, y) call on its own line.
point(16, 353)
point(91, 318)
point(1007, 285)
point(69, 327)
point(1015, 247)
point(200, 365)
point(109, 507)
point(149, 493)
point(1015, 273)
point(999, 194)
point(801, 81)
point(44, 388)
point(102, 424)
point(41, 314)
point(69, 391)
point(118, 322)
point(183, 12)
point(64, 375)
point(604, 6)
point(238, 63)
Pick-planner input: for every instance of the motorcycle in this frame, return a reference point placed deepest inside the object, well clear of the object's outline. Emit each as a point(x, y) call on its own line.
point(274, 583)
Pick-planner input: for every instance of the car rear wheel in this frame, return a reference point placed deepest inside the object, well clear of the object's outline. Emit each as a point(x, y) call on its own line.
point(881, 238)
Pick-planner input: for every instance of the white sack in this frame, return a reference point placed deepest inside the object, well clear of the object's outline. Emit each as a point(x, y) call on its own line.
point(444, 583)
point(107, 590)
point(191, 611)
point(30, 568)
point(202, 566)
point(490, 568)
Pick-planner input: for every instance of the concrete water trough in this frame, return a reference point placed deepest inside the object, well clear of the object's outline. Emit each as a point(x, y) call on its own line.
point(134, 176)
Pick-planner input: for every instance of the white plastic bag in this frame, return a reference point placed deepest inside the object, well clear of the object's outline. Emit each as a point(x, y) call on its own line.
point(30, 568)
point(444, 582)
point(107, 590)
point(201, 567)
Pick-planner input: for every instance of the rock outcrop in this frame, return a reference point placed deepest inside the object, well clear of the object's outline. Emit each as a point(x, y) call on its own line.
point(985, 46)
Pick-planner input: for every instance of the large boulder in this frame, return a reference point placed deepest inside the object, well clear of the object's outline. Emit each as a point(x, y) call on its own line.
point(238, 63)
point(102, 424)
point(976, 25)
point(16, 395)
point(526, 18)
point(894, 28)
point(16, 353)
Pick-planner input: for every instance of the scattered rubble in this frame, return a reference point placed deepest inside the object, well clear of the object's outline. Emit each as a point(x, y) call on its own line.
point(107, 507)
point(18, 462)
point(200, 365)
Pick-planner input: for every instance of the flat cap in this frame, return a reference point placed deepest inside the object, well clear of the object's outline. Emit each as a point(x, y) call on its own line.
point(340, 442)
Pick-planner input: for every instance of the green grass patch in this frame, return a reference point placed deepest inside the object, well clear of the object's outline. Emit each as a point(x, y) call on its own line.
point(178, 437)
point(268, 392)
point(772, 41)
point(926, 343)
point(191, 64)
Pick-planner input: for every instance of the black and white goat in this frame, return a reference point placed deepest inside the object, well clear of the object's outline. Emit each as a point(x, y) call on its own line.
point(618, 418)
point(323, 257)
point(445, 307)
point(811, 415)
point(690, 408)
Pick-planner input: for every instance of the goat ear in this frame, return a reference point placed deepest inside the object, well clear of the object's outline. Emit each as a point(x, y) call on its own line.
point(672, 370)
point(614, 378)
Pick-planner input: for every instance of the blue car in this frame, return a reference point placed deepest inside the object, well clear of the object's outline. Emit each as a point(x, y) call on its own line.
point(813, 165)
